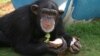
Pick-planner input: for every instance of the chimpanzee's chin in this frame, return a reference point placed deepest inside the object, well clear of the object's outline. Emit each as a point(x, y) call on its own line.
point(47, 30)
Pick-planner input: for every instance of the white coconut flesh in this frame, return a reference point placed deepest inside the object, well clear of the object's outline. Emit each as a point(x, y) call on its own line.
point(57, 41)
point(73, 41)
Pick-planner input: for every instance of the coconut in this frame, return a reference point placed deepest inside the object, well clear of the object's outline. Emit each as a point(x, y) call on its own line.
point(56, 43)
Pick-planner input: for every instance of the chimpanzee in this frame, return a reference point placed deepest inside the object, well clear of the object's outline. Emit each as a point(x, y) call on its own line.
point(25, 28)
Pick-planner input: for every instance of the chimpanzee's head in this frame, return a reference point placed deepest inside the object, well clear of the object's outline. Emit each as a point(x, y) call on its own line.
point(47, 14)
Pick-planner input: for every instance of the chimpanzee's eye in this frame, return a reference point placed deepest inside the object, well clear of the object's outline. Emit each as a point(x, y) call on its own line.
point(44, 12)
point(52, 13)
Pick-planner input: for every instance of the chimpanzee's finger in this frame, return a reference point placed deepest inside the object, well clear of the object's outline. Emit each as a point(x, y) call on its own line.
point(78, 44)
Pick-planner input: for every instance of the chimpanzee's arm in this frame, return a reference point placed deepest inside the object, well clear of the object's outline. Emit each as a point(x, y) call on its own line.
point(31, 48)
point(21, 41)
point(24, 44)
point(72, 43)
point(61, 32)
point(18, 32)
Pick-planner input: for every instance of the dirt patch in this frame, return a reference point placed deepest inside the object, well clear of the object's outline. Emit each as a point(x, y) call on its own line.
point(6, 8)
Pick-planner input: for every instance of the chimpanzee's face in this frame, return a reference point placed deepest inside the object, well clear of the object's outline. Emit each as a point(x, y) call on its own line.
point(48, 19)
point(48, 14)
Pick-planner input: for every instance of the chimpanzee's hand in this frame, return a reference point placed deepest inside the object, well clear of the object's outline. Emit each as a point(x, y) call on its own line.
point(75, 45)
point(60, 49)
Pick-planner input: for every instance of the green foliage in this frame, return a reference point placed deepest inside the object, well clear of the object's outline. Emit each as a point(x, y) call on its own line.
point(89, 34)
point(7, 52)
point(84, 28)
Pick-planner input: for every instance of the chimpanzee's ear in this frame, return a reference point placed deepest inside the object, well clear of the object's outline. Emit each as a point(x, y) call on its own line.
point(61, 12)
point(34, 8)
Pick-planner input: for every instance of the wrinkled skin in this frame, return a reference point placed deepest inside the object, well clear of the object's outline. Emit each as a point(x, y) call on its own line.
point(75, 48)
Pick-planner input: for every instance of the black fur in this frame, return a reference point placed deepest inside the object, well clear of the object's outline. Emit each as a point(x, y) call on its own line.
point(20, 30)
